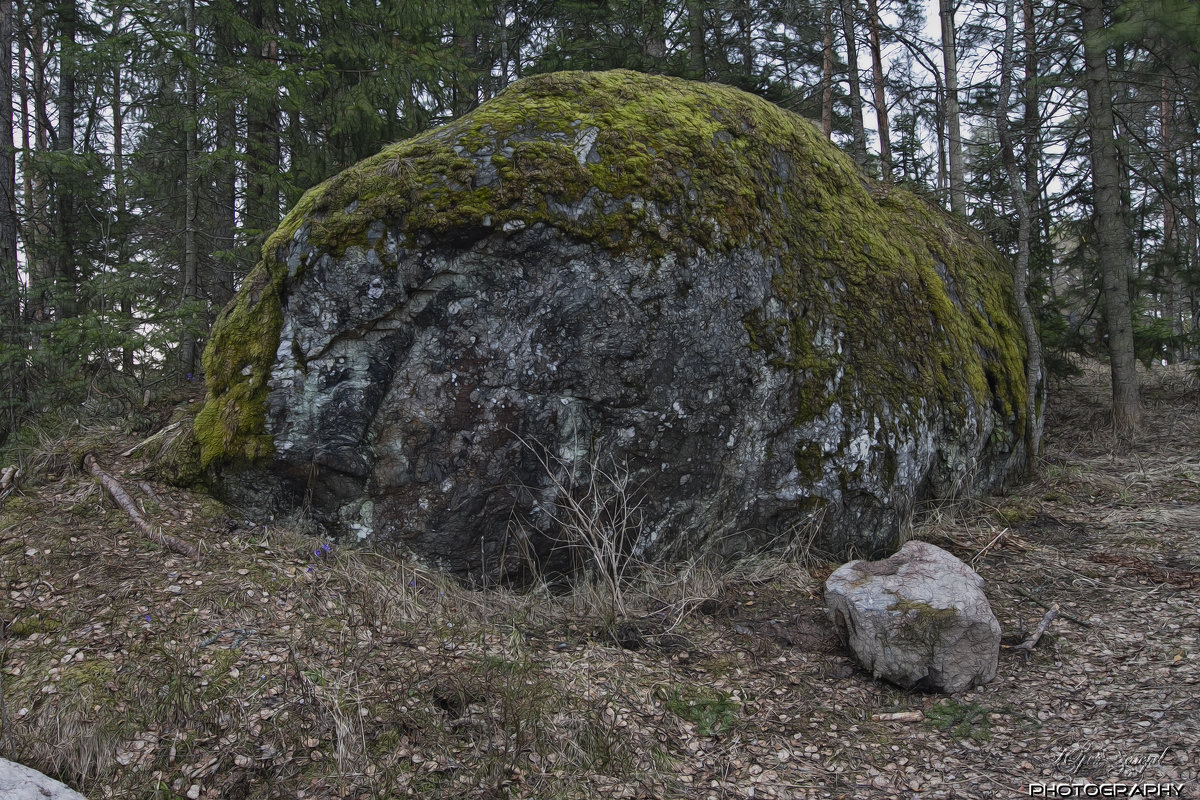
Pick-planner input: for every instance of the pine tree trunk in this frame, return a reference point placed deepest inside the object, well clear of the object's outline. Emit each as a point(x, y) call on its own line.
point(746, 37)
point(1032, 124)
point(881, 112)
point(37, 194)
point(122, 209)
point(858, 130)
point(12, 373)
point(191, 255)
point(502, 18)
point(1020, 196)
point(466, 84)
point(1111, 229)
point(827, 73)
point(10, 309)
point(695, 12)
point(1172, 250)
point(227, 265)
point(66, 275)
point(958, 192)
point(22, 87)
point(654, 47)
point(262, 127)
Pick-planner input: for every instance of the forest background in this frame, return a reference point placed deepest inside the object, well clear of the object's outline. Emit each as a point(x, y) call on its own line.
point(147, 148)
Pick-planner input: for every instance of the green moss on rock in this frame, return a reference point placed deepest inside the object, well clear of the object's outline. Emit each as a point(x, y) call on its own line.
point(922, 622)
point(237, 364)
point(664, 167)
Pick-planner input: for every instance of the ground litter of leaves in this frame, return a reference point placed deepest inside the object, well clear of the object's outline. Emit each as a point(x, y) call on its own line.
point(279, 664)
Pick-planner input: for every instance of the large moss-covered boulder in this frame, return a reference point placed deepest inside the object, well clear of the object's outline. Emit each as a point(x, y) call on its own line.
point(669, 308)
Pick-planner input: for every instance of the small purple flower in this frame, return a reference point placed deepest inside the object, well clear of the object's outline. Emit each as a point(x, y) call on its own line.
point(146, 617)
point(310, 568)
point(325, 548)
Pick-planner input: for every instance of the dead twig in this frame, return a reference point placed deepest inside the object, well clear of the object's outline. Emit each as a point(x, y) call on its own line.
point(1064, 615)
point(899, 716)
point(122, 499)
point(1032, 641)
point(989, 545)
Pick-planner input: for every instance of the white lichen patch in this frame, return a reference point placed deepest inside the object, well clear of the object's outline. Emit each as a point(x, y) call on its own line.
point(585, 146)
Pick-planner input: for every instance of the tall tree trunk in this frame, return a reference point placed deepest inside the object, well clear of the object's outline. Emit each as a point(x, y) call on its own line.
point(22, 86)
point(958, 191)
point(122, 207)
point(654, 45)
point(502, 19)
point(827, 73)
point(37, 193)
point(12, 361)
point(1171, 249)
point(881, 112)
point(1032, 124)
point(858, 147)
point(66, 274)
point(466, 83)
point(1169, 171)
point(262, 125)
point(1112, 232)
point(191, 256)
point(225, 260)
point(9, 280)
point(745, 20)
point(695, 12)
point(1020, 196)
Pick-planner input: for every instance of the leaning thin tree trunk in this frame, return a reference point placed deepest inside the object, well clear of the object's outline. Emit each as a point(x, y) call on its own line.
point(1033, 365)
point(122, 499)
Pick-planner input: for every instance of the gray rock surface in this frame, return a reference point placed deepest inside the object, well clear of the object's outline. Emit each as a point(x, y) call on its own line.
point(445, 343)
point(19, 782)
point(919, 619)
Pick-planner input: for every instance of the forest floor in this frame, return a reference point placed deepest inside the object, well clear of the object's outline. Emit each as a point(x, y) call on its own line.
point(280, 665)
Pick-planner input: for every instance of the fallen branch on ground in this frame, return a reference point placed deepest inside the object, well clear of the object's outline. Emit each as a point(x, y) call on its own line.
point(168, 433)
point(899, 716)
point(1032, 641)
point(122, 499)
point(1062, 614)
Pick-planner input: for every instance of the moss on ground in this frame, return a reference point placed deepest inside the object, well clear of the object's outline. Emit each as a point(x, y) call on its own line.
point(661, 166)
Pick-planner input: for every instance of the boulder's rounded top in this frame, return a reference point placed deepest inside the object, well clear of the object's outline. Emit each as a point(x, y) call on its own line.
point(623, 158)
